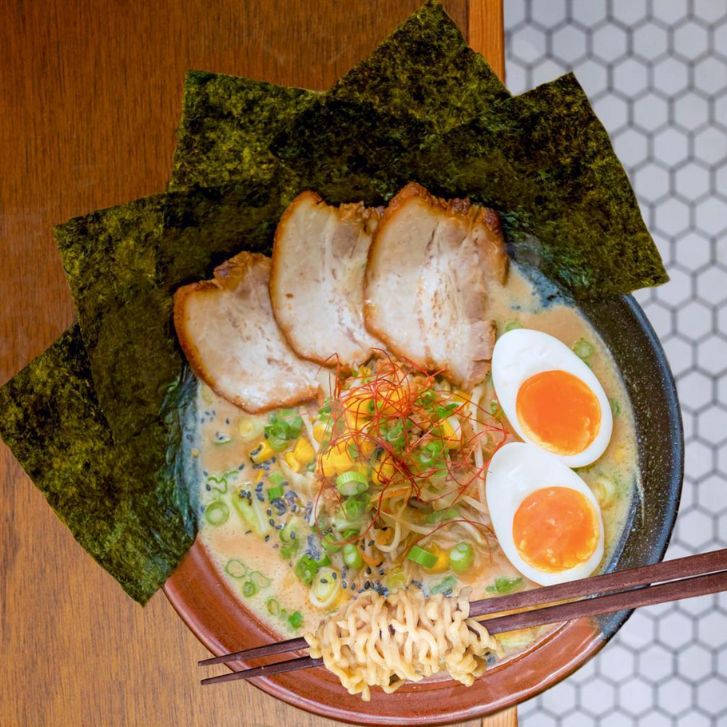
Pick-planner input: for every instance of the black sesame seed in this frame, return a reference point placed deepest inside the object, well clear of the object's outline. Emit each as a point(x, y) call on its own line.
point(268, 512)
point(272, 522)
point(267, 538)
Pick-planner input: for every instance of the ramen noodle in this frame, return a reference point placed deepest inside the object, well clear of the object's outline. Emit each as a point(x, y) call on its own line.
point(384, 641)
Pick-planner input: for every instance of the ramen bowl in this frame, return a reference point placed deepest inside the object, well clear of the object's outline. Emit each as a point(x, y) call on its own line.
point(215, 615)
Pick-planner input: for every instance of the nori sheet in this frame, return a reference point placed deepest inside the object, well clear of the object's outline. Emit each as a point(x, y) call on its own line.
point(424, 77)
point(227, 125)
point(545, 158)
point(424, 71)
point(123, 263)
point(52, 422)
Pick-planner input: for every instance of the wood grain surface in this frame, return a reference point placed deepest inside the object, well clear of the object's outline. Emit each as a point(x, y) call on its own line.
point(90, 94)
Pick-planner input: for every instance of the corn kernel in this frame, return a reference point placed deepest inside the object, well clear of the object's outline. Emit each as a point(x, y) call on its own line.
point(303, 451)
point(442, 562)
point(292, 461)
point(336, 459)
point(262, 452)
point(321, 431)
point(451, 433)
point(383, 470)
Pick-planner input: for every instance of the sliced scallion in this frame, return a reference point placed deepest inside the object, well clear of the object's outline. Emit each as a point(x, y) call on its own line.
point(582, 348)
point(216, 513)
point(235, 568)
point(352, 483)
point(461, 557)
point(421, 556)
point(351, 556)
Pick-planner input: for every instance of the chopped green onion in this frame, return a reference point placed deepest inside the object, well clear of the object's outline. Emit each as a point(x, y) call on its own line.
point(325, 588)
point(216, 513)
point(330, 543)
point(352, 450)
point(355, 507)
point(291, 530)
point(276, 492)
point(273, 606)
point(461, 557)
point(582, 348)
point(349, 533)
point(276, 478)
point(352, 483)
point(444, 586)
point(221, 438)
point(445, 410)
point(512, 325)
point(235, 568)
point(259, 579)
point(214, 483)
point(277, 444)
point(494, 408)
point(249, 589)
point(395, 578)
point(252, 513)
point(288, 550)
point(431, 452)
point(504, 585)
point(306, 569)
point(615, 407)
point(351, 556)
point(439, 516)
point(427, 398)
point(295, 619)
point(422, 557)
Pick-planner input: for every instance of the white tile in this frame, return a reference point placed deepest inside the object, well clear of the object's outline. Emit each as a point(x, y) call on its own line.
point(691, 40)
point(695, 662)
point(710, 75)
point(695, 529)
point(650, 111)
point(609, 43)
point(712, 356)
point(712, 429)
point(699, 462)
point(671, 75)
point(650, 41)
point(635, 696)
point(712, 285)
point(694, 320)
point(692, 181)
point(712, 696)
point(597, 696)
point(630, 77)
point(548, 14)
point(691, 110)
point(570, 41)
point(693, 251)
point(674, 696)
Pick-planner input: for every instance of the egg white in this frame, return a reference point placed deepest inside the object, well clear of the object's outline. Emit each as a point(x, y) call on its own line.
point(522, 353)
point(515, 471)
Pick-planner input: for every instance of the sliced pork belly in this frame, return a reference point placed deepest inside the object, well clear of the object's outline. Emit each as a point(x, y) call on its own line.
point(316, 287)
point(232, 342)
point(430, 267)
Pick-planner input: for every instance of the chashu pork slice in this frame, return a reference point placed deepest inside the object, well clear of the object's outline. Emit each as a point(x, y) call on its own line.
point(316, 287)
point(232, 342)
point(431, 266)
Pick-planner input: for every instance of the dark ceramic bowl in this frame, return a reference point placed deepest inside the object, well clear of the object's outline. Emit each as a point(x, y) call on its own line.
point(216, 616)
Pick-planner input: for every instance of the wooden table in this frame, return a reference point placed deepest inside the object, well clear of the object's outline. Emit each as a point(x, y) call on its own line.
point(91, 95)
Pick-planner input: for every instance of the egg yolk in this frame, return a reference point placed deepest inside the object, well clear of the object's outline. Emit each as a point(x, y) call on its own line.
point(558, 411)
point(555, 529)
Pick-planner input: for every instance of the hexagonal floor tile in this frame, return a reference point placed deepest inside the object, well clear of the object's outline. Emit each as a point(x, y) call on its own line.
point(695, 528)
point(694, 320)
point(694, 662)
point(674, 696)
point(635, 696)
point(695, 391)
point(675, 630)
point(712, 696)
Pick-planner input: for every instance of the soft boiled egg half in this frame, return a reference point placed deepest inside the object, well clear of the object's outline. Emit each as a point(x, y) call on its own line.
point(545, 516)
point(551, 397)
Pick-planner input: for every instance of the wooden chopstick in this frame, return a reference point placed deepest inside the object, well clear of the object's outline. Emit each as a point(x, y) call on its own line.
point(606, 583)
point(689, 587)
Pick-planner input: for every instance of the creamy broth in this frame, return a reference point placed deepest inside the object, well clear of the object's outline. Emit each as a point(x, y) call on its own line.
point(251, 562)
